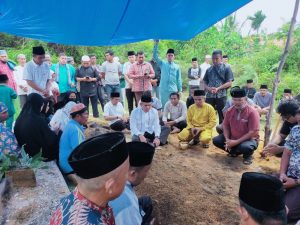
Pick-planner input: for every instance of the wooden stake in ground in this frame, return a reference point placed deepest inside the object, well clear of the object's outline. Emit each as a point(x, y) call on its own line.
point(276, 80)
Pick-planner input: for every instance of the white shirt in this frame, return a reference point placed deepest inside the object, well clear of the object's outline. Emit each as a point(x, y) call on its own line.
point(204, 66)
point(175, 113)
point(126, 68)
point(39, 74)
point(194, 73)
point(18, 75)
point(113, 110)
point(141, 122)
point(111, 71)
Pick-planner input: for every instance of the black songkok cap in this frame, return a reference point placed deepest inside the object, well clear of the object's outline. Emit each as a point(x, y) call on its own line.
point(263, 86)
point(262, 192)
point(39, 50)
point(130, 53)
point(249, 81)
point(237, 92)
point(194, 59)
point(146, 98)
point(3, 78)
point(199, 93)
point(170, 51)
point(99, 155)
point(140, 153)
point(287, 91)
point(115, 95)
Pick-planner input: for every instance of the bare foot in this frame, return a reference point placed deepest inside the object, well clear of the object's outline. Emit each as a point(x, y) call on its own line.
point(175, 130)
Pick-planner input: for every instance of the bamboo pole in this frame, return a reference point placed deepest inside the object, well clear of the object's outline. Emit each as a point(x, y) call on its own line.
point(279, 69)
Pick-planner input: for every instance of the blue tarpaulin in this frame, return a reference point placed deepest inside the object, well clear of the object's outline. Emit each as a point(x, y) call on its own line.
point(111, 22)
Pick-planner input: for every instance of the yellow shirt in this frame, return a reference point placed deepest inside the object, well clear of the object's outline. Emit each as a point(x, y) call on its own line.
point(203, 117)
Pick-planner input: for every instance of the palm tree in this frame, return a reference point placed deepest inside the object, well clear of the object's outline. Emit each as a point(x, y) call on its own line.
point(256, 20)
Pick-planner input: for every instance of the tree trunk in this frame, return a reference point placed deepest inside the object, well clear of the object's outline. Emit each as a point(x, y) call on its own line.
point(279, 69)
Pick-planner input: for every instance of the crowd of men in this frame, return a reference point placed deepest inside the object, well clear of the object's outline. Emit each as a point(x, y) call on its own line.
point(54, 101)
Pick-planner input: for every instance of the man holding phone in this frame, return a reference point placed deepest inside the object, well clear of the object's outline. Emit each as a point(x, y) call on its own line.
point(88, 77)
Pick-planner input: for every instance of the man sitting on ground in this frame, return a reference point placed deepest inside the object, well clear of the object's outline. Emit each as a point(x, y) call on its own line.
point(72, 136)
point(201, 119)
point(240, 128)
point(101, 173)
point(261, 200)
point(144, 124)
point(114, 113)
point(176, 109)
point(250, 90)
point(262, 100)
point(128, 209)
point(287, 110)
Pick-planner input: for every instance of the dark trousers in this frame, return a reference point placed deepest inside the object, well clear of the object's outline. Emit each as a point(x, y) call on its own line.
point(100, 95)
point(218, 104)
point(86, 100)
point(145, 203)
point(164, 134)
point(180, 125)
point(120, 125)
point(246, 148)
point(292, 201)
point(130, 97)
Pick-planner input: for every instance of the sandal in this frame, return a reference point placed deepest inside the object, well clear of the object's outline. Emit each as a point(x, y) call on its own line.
point(247, 161)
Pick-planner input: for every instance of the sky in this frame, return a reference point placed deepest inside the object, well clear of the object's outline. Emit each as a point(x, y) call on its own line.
point(278, 12)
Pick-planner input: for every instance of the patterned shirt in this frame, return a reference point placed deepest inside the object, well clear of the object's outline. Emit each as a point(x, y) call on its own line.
point(176, 113)
point(293, 144)
point(8, 141)
point(75, 209)
point(216, 76)
point(137, 72)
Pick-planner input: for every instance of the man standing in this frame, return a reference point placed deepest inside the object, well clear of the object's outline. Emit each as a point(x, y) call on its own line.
point(174, 115)
point(65, 76)
point(194, 74)
point(250, 90)
point(129, 82)
point(71, 137)
point(156, 80)
point(240, 128)
point(217, 80)
point(111, 72)
point(141, 73)
point(203, 67)
point(100, 86)
point(144, 124)
point(128, 209)
point(88, 77)
point(37, 73)
point(22, 87)
point(114, 113)
point(261, 200)
point(7, 68)
point(170, 74)
point(101, 175)
point(262, 100)
point(201, 119)
point(287, 94)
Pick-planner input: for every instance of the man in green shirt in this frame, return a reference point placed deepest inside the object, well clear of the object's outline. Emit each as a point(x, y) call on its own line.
point(7, 95)
point(65, 76)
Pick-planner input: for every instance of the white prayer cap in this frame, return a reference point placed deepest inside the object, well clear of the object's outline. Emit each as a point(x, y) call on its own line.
point(3, 52)
point(208, 56)
point(85, 58)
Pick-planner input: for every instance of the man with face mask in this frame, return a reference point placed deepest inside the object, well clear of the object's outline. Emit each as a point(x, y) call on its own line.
point(128, 208)
point(7, 68)
point(217, 79)
point(240, 127)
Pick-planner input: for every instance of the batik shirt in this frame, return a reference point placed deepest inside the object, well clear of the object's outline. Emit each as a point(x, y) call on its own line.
point(8, 142)
point(75, 209)
point(293, 144)
point(216, 76)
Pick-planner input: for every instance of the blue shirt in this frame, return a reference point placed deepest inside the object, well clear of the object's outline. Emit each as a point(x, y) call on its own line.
point(170, 74)
point(72, 136)
point(126, 207)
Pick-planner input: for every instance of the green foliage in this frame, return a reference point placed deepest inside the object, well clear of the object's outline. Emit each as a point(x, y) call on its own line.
point(9, 162)
point(257, 20)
